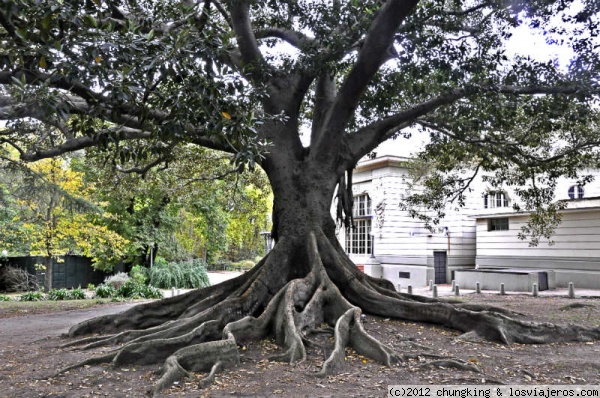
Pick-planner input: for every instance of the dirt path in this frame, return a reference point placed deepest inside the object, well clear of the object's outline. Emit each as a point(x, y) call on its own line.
point(31, 328)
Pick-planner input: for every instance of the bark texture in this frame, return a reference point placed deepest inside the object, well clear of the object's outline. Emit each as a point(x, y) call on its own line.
point(305, 287)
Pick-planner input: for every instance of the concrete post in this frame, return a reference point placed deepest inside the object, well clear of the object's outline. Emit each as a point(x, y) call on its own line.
point(410, 289)
point(435, 293)
point(172, 292)
point(398, 288)
point(430, 284)
point(453, 284)
point(571, 290)
point(502, 292)
point(456, 290)
point(535, 290)
point(477, 287)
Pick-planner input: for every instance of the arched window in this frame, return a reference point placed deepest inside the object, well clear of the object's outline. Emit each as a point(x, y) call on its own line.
point(494, 200)
point(358, 238)
point(576, 192)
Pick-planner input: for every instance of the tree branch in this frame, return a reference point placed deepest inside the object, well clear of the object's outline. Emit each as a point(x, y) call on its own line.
point(369, 137)
point(240, 18)
point(294, 38)
point(120, 134)
point(373, 54)
point(142, 170)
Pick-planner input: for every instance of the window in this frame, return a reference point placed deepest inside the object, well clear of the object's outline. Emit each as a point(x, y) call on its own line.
point(362, 206)
point(498, 224)
point(575, 192)
point(358, 238)
point(495, 200)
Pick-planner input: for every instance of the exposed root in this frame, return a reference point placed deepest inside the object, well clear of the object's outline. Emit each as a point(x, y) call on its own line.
point(452, 363)
point(302, 289)
point(211, 356)
point(90, 361)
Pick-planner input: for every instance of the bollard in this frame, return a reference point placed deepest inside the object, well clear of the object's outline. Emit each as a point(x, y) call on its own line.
point(435, 293)
point(453, 284)
point(409, 289)
point(535, 290)
point(399, 288)
point(502, 292)
point(172, 292)
point(571, 290)
point(178, 292)
point(456, 290)
point(477, 287)
point(431, 284)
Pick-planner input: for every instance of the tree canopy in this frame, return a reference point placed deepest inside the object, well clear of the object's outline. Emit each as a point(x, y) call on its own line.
point(140, 78)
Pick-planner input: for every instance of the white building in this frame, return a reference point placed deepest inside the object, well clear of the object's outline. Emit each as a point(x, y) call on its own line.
point(386, 242)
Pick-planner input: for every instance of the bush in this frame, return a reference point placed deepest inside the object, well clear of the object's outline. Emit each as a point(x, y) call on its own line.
point(130, 290)
point(31, 296)
point(59, 294)
point(105, 291)
point(184, 275)
point(135, 290)
point(91, 286)
point(5, 298)
point(139, 274)
point(77, 294)
point(117, 280)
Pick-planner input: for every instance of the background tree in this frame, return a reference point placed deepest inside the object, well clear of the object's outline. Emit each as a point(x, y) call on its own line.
point(53, 215)
point(200, 208)
point(140, 79)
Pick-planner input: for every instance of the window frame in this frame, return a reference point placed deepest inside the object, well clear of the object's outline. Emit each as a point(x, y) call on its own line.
point(495, 200)
point(498, 224)
point(576, 192)
point(358, 238)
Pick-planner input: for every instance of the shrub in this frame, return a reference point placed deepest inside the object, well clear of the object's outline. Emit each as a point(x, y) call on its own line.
point(139, 274)
point(77, 294)
point(130, 290)
point(117, 280)
point(184, 275)
point(135, 290)
point(4, 298)
point(151, 292)
point(163, 277)
point(31, 296)
point(91, 286)
point(105, 291)
point(58, 294)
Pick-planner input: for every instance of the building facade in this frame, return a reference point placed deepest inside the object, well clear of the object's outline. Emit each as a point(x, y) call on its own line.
point(386, 242)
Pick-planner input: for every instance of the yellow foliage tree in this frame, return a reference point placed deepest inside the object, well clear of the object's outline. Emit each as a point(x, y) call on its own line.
point(60, 217)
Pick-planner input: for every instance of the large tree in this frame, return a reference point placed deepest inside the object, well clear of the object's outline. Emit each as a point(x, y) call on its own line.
point(140, 78)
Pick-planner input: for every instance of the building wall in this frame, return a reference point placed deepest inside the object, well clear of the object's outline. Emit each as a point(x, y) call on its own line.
point(574, 253)
point(403, 248)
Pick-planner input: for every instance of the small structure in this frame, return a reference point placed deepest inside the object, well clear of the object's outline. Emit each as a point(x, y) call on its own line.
point(514, 279)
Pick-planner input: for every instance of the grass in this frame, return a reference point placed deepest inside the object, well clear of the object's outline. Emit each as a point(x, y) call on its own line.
point(41, 307)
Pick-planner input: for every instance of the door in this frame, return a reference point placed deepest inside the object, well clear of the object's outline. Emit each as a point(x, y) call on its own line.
point(543, 281)
point(439, 267)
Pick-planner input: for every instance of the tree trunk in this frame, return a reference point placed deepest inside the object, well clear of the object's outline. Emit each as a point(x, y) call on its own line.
point(48, 282)
point(305, 287)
